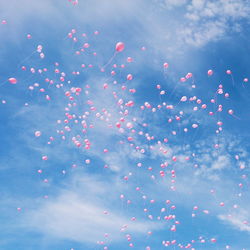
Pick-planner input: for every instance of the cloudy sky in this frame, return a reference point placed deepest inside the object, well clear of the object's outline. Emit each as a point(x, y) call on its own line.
point(92, 159)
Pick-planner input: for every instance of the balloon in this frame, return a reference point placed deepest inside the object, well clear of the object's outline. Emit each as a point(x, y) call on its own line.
point(45, 158)
point(129, 59)
point(12, 80)
point(129, 125)
point(38, 133)
point(183, 99)
point(39, 48)
point(129, 77)
point(189, 75)
point(210, 72)
point(86, 45)
point(165, 65)
point(119, 47)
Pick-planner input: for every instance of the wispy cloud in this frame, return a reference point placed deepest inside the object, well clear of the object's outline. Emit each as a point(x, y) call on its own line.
point(87, 215)
point(204, 21)
point(210, 21)
point(239, 219)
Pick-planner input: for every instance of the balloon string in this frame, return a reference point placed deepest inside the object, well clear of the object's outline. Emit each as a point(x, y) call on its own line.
point(232, 79)
point(110, 60)
point(3, 83)
point(236, 117)
point(26, 58)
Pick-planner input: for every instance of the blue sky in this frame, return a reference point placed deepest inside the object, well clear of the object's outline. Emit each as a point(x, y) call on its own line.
point(91, 199)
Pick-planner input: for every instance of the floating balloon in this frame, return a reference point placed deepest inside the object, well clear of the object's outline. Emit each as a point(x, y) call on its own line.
point(38, 133)
point(12, 80)
point(210, 72)
point(119, 47)
point(129, 77)
point(184, 99)
point(189, 75)
point(165, 65)
point(129, 59)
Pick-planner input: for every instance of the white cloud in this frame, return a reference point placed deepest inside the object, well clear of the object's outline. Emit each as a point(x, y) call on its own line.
point(221, 162)
point(71, 217)
point(78, 213)
point(204, 21)
point(239, 219)
point(212, 20)
point(170, 4)
point(199, 35)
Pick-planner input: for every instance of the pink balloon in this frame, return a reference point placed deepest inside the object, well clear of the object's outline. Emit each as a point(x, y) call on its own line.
point(210, 72)
point(195, 125)
point(129, 59)
point(13, 80)
point(38, 133)
point(189, 75)
point(129, 125)
point(119, 47)
point(165, 65)
point(183, 99)
point(86, 45)
point(129, 77)
point(45, 158)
